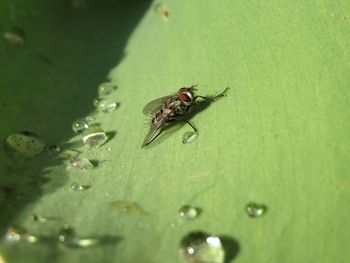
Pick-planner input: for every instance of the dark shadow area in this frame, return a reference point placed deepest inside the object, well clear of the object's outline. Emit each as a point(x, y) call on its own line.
point(231, 248)
point(52, 80)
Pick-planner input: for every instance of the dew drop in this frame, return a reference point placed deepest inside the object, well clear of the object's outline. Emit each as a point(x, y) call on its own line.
point(24, 144)
point(80, 163)
point(255, 210)
point(15, 235)
point(83, 242)
point(80, 125)
point(107, 106)
point(188, 212)
point(76, 187)
point(201, 247)
point(94, 137)
point(40, 219)
point(67, 237)
point(66, 234)
point(15, 37)
point(128, 207)
point(189, 137)
point(105, 88)
point(89, 118)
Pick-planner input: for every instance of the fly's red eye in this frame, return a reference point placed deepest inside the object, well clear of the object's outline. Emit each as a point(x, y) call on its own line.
point(184, 97)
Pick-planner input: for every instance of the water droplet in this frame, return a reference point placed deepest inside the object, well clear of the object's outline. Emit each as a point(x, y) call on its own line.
point(200, 247)
point(94, 137)
point(188, 212)
point(15, 235)
point(107, 106)
point(67, 237)
point(66, 234)
point(76, 187)
point(83, 242)
point(80, 163)
point(189, 137)
point(89, 118)
point(40, 219)
point(25, 144)
point(105, 89)
point(255, 210)
point(80, 125)
point(15, 37)
point(128, 207)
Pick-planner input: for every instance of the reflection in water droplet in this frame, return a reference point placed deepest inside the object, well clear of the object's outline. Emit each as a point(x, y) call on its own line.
point(80, 125)
point(202, 247)
point(128, 207)
point(67, 237)
point(76, 187)
point(66, 234)
point(188, 212)
point(105, 89)
point(255, 210)
point(94, 137)
point(15, 235)
point(15, 37)
point(107, 106)
point(24, 144)
point(189, 137)
point(80, 163)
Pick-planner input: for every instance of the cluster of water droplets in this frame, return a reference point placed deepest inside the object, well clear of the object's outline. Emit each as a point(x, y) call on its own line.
point(65, 235)
point(101, 102)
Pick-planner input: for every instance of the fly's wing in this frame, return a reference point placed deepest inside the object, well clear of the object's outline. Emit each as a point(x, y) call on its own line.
point(154, 106)
point(154, 132)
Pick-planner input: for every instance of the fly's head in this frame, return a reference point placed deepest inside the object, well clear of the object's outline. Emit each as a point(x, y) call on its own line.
point(186, 95)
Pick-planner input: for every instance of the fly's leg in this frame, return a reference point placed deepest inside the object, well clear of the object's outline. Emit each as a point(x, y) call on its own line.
point(191, 124)
point(188, 122)
point(213, 98)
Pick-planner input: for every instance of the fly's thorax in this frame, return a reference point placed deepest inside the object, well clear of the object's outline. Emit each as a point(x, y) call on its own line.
point(182, 110)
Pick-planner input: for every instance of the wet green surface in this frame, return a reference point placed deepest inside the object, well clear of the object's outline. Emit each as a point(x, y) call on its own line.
point(280, 138)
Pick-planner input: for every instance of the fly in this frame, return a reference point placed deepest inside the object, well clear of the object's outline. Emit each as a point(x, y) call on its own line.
point(173, 108)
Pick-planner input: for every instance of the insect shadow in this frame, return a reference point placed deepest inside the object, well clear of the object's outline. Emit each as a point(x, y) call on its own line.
point(173, 126)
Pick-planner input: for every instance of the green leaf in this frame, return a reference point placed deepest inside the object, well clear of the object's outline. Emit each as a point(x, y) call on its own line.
point(280, 138)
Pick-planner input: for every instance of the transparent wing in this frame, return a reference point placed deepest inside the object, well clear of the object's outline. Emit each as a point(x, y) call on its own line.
point(154, 106)
point(154, 132)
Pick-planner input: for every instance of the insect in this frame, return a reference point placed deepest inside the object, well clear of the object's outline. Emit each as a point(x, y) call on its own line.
point(173, 108)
